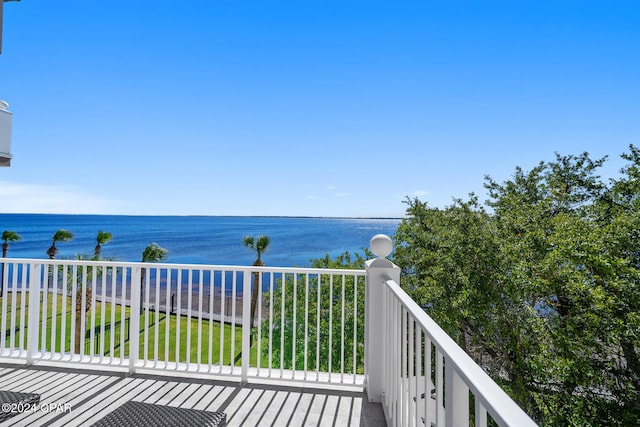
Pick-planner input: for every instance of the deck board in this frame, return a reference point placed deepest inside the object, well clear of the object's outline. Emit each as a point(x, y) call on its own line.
point(93, 394)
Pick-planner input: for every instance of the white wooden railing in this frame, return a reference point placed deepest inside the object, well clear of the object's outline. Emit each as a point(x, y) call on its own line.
point(351, 327)
point(418, 373)
point(190, 318)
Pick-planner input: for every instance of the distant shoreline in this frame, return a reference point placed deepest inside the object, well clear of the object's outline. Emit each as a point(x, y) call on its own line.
point(213, 216)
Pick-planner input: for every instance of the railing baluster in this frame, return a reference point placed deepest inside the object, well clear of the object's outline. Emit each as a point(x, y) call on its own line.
point(355, 325)
point(271, 277)
point(318, 311)
point(392, 364)
point(84, 312)
point(246, 325)
point(457, 399)
point(73, 308)
point(306, 324)
point(440, 414)
point(156, 317)
point(189, 314)
point(92, 334)
point(342, 320)
point(14, 311)
point(397, 362)
point(411, 378)
point(63, 311)
point(103, 309)
point(420, 394)
point(480, 414)
point(386, 345)
point(294, 330)
point(404, 375)
point(123, 314)
point(112, 325)
point(23, 310)
point(54, 312)
point(178, 308)
point(221, 323)
point(3, 293)
point(330, 324)
point(233, 321)
point(427, 381)
point(45, 302)
point(282, 307)
point(145, 312)
point(167, 315)
point(222, 319)
point(145, 306)
point(259, 326)
point(200, 310)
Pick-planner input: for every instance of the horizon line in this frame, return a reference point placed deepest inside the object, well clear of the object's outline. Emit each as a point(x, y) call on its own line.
point(209, 216)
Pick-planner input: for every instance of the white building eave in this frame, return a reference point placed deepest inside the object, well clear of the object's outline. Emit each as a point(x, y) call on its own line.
point(6, 118)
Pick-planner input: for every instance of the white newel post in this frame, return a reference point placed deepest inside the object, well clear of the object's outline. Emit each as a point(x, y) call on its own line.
point(378, 270)
point(246, 327)
point(35, 289)
point(134, 322)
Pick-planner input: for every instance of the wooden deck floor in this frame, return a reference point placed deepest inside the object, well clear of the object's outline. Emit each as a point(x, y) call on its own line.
point(75, 397)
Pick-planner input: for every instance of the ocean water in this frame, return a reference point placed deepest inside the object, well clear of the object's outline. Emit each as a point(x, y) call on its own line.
point(196, 239)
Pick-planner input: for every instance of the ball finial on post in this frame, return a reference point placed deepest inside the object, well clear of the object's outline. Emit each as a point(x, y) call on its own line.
point(381, 245)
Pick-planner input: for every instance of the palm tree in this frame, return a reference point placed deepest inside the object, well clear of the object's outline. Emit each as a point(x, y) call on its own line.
point(102, 239)
point(88, 295)
point(7, 236)
point(81, 294)
point(259, 245)
point(60, 236)
point(152, 253)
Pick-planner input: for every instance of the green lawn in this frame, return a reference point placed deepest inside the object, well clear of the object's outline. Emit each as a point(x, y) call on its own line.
point(114, 315)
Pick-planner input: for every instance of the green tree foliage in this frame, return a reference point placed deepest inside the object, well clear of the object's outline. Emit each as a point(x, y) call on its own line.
point(102, 238)
point(540, 286)
point(259, 245)
point(83, 282)
point(319, 305)
point(8, 236)
point(59, 236)
point(154, 253)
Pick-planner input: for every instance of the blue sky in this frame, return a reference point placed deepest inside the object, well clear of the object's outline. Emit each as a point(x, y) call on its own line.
point(319, 108)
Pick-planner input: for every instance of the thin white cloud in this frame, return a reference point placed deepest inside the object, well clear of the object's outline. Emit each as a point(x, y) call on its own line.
point(336, 194)
point(416, 193)
point(37, 198)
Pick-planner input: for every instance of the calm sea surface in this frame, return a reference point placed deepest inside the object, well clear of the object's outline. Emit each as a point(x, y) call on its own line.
point(196, 239)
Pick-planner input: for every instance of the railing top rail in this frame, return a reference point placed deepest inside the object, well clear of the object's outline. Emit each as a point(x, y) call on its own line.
point(501, 407)
point(266, 269)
